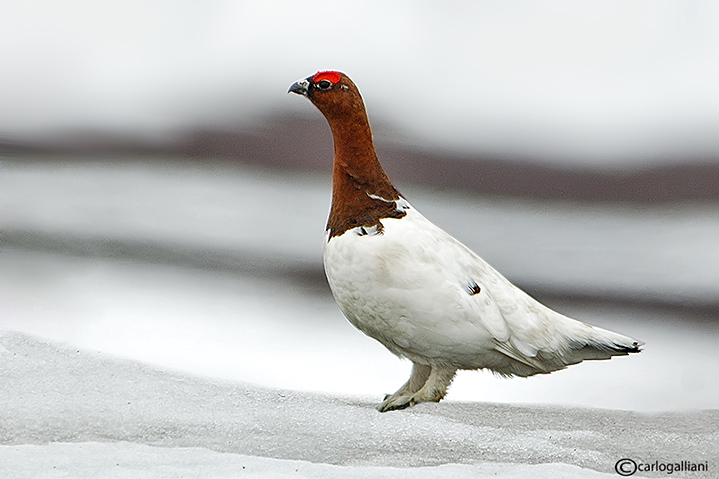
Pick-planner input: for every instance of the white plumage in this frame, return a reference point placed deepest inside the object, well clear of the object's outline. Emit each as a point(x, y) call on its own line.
point(408, 287)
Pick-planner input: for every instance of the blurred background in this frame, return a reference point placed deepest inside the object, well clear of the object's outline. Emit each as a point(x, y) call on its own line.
point(162, 198)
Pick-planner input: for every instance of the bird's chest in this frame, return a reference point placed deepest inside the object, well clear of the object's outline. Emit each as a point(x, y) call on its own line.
point(388, 284)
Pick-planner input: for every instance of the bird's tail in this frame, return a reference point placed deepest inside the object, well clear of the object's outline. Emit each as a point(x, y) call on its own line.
point(600, 343)
point(569, 342)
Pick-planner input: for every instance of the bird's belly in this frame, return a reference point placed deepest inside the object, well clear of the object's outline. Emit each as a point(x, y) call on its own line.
point(396, 290)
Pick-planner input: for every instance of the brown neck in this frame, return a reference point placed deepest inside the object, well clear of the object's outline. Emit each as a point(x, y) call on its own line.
point(357, 174)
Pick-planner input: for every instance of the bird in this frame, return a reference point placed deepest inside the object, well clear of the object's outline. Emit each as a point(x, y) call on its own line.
point(417, 290)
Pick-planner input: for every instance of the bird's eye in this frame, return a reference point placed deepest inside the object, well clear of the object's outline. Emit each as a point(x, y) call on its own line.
point(324, 84)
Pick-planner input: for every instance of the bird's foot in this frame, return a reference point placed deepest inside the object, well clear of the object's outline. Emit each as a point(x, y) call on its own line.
point(434, 381)
point(393, 402)
point(403, 399)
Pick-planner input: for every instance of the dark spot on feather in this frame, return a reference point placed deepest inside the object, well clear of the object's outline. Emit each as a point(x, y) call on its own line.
point(473, 288)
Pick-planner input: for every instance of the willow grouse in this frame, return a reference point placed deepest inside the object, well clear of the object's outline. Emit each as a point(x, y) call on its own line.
point(425, 296)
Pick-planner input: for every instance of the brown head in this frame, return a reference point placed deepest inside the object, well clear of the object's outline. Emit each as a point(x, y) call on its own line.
point(358, 179)
point(339, 100)
point(333, 93)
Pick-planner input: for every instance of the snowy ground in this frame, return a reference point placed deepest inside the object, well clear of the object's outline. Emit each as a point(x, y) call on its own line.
point(82, 413)
point(210, 277)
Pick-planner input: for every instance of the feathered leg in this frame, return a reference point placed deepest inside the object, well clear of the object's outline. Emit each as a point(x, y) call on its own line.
point(420, 373)
point(426, 384)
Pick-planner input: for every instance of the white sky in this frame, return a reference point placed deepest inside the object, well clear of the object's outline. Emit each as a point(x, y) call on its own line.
point(600, 77)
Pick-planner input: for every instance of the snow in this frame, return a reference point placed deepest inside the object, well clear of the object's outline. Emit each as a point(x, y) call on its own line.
point(227, 326)
point(77, 413)
point(133, 461)
point(155, 324)
point(173, 265)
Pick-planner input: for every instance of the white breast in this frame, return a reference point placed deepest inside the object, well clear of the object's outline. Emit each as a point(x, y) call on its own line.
point(407, 287)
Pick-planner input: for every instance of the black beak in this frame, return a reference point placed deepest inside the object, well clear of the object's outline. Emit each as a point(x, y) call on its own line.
point(300, 87)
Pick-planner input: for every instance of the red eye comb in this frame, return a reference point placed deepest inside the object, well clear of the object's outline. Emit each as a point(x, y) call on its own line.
point(333, 77)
